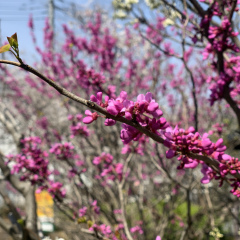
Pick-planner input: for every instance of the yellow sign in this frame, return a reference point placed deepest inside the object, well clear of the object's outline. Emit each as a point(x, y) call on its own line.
point(44, 204)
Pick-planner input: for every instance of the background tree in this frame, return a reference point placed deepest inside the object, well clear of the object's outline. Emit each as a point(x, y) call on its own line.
point(129, 189)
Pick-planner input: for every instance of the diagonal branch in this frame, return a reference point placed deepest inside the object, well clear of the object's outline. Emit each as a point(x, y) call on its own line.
point(8, 229)
point(214, 164)
point(21, 187)
point(198, 7)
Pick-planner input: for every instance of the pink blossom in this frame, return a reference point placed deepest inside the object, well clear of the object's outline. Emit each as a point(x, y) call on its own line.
point(82, 211)
point(90, 117)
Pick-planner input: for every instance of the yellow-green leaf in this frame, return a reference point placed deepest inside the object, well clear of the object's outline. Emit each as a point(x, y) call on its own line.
point(89, 223)
point(14, 36)
point(82, 220)
point(20, 222)
point(13, 41)
point(5, 48)
point(117, 234)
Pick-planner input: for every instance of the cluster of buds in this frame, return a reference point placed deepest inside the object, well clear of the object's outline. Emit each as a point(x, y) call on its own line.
point(62, 151)
point(108, 169)
point(32, 162)
point(146, 112)
point(32, 159)
point(77, 129)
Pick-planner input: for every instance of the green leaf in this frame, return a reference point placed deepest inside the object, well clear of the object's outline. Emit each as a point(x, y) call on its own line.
point(20, 222)
point(14, 36)
point(13, 40)
point(82, 220)
point(10, 40)
point(89, 223)
point(5, 48)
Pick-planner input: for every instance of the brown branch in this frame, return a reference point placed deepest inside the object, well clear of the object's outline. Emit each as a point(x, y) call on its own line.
point(8, 229)
point(10, 205)
point(189, 217)
point(232, 103)
point(214, 164)
point(31, 210)
point(162, 169)
point(21, 187)
point(8, 120)
point(210, 206)
point(234, 4)
point(122, 205)
point(85, 102)
point(198, 7)
point(125, 167)
point(160, 49)
point(189, 71)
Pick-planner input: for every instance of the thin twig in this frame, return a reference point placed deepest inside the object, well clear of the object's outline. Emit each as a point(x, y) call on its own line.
point(189, 71)
point(122, 205)
point(214, 164)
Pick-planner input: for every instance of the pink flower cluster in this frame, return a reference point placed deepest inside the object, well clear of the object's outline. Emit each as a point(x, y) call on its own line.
point(220, 39)
point(88, 78)
point(221, 36)
point(107, 231)
point(216, 128)
point(107, 168)
point(77, 129)
point(56, 189)
point(82, 211)
point(32, 162)
point(136, 229)
point(217, 86)
point(101, 44)
point(95, 207)
point(142, 142)
point(152, 31)
point(180, 142)
point(62, 151)
point(219, 83)
point(144, 110)
point(43, 122)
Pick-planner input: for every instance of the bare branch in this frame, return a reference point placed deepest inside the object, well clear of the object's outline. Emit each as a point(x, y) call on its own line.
point(8, 229)
point(214, 164)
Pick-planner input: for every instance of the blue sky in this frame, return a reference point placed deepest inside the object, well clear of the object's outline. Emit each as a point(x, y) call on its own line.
point(14, 15)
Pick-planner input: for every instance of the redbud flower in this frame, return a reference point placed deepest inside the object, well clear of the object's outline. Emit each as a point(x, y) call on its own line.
point(109, 122)
point(90, 117)
point(82, 211)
